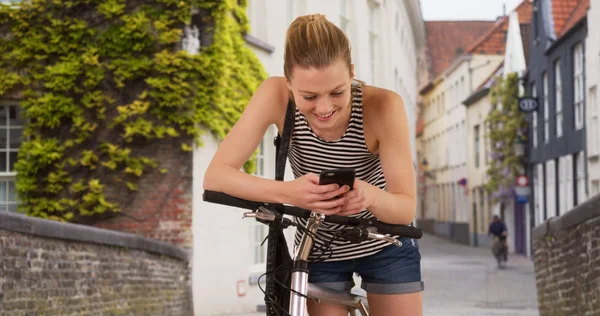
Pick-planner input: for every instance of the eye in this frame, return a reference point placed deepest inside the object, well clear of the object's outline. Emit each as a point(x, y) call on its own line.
point(309, 98)
point(337, 94)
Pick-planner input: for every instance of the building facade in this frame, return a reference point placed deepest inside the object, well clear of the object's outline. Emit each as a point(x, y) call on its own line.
point(478, 105)
point(469, 70)
point(592, 63)
point(446, 41)
point(556, 76)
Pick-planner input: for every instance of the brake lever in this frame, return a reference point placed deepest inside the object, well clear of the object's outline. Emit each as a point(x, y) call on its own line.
point(386, 238)
point(261, 213)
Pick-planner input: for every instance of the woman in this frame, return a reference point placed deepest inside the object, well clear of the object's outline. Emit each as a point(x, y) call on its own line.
point(339, 123)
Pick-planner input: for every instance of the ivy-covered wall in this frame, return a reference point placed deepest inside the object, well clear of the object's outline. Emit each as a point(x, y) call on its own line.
point(506, 125)
point(101, 81)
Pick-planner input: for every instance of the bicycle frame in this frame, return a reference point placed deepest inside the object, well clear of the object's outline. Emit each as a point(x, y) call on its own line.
point(299, 281)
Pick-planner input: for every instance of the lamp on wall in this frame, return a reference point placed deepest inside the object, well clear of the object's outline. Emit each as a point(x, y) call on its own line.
point(519, 146)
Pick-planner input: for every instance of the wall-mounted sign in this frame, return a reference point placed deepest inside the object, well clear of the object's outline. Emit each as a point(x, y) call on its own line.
point(528, 104)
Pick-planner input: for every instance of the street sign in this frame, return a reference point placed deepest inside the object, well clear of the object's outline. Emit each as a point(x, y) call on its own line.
point(528, 104)
point(522, 199)
point(522, 181)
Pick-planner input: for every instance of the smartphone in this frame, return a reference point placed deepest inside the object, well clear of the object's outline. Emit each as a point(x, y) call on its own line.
point(339, 176)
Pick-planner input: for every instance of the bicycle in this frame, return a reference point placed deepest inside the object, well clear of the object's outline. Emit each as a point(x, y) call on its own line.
point(300, 289)
point(500, 251)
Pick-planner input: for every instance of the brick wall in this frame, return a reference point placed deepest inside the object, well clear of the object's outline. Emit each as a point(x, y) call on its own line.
point(51, 268)
point(161, 208)
point(567, 262)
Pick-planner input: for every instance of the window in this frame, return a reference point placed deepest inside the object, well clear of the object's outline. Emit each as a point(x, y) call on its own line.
point(594, 122)
point(290, 11)
point(345, 16)
point(476, 146)
point(580, 169)
point(259, 231)
point(534, 120)
point(373, 37)
point(558, 95)
point(11, 130)
point(546, 110)
point(565, 184)
point(538, 188)
point(578, 84)
point(550, 188)
point(260, 160)
point(482, 209)
point(595, 187)
point(257, 13)
point(485, 144)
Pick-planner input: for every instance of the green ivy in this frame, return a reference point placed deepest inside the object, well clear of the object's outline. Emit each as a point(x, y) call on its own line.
point(506, 124)
point(99, 80)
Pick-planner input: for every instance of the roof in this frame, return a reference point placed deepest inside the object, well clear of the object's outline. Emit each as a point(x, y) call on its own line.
point(561, 11)
point(493, 42)
point(578, 13)
point(447, 39)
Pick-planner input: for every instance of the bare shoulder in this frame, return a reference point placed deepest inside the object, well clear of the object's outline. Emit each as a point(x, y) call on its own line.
point(271, 98)
point(382, 106)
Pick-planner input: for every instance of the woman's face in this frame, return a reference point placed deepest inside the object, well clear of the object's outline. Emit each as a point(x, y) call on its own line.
point(323, 95)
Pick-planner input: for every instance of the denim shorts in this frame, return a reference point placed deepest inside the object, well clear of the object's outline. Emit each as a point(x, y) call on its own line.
point(393, 270)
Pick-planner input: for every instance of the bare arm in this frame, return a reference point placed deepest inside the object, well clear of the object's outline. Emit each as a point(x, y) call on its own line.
point(267, 106)
point(397, 205)
point(223, 174)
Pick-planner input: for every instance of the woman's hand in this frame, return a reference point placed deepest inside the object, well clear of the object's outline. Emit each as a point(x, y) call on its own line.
point(359, 199)
point(305, 192)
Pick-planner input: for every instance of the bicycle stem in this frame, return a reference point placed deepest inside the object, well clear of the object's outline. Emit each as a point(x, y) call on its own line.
point(300, 270)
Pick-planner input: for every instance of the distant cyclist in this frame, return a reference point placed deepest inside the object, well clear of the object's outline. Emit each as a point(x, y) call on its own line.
point(498, 230)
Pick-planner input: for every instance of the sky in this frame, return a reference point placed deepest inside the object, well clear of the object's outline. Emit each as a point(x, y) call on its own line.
point(465, 9)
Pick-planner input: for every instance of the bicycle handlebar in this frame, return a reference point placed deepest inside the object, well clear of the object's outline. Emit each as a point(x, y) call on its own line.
point(384, 228)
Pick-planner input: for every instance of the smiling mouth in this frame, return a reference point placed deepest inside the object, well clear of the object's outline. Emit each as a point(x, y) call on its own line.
point(325, 116)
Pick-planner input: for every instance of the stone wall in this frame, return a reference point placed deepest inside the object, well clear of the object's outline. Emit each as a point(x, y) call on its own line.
point(567, 262)
point(52, 268)
point(161, 208)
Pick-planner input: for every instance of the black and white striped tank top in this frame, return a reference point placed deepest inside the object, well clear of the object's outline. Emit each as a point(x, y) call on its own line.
point(310, 153)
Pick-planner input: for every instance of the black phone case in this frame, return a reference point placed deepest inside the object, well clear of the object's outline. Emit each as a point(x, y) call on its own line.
point(339, 176)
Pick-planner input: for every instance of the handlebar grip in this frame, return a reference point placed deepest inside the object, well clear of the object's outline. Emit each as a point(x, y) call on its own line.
point(226, 199)
point(399, 230)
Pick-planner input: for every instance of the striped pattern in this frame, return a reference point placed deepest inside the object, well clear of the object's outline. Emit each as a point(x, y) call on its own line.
point(309, 153)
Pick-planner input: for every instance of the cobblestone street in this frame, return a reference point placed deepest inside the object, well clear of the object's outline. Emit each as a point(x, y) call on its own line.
point(462, 280)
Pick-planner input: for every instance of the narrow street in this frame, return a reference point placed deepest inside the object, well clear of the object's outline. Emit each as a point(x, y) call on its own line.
point(463, 280)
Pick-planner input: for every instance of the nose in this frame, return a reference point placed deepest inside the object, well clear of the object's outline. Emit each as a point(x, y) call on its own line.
point(324, 105)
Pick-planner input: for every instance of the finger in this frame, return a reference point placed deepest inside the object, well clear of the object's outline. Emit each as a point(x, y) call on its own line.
point(331, 204)
point(341, 192)
point(325, 188)
point(312, 177)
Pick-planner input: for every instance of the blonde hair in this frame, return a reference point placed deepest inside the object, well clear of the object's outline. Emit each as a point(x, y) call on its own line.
point(313, 41)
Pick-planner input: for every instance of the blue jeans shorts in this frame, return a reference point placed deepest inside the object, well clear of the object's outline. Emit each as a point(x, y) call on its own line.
point(393, 270)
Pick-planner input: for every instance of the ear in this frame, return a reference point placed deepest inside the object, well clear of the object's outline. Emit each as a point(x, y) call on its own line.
point(288, 83)
point(352, 71)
